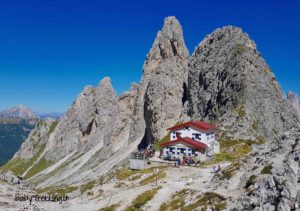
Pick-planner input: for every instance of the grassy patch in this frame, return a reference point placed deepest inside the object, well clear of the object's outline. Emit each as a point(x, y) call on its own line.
point(52, 127)
point(251, 181)
point(177, 202)
point(255, 126)
point(240, 110)
point(209, 199)
point(141, 200)
point(57, 191)
point(38, 167)
point(88, 186)
point(10, 120)
point(18, 166)
point(161, 141)
point(112, 207)
point(266, 170)
point(231, 151)
point(153, 178)
point(229, 171)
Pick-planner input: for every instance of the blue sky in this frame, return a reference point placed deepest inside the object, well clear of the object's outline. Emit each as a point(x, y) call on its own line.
point(49, 50)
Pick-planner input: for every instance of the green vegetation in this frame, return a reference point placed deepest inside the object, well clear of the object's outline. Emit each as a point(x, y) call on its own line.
point(177, 202)
point(88, 186)
point(255, 126)
point(38, 167)
point(112, 207)
point(160, 175)
point(18, 166)
point(209, 199)
point(250, 181)
point(161, 141)
point(142, 199)
point(165, 139)
point(57, 191)
point(240, 110)
point(231, 151)
point(229, 171)
point(10, 120)
point(52, 127)
point(52, 173)
point(266, 170)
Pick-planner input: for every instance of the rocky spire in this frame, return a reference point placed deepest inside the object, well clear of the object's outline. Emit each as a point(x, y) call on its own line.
point(164, 80)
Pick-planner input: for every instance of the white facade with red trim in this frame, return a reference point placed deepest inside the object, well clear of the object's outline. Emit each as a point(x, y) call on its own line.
point(191, 139)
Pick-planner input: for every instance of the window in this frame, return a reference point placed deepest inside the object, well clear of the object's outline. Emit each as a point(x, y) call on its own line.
point(198, 136)
point(194, 151)
point(178, 134)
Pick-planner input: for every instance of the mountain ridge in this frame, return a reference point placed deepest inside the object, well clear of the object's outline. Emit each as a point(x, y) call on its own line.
point(225, 81)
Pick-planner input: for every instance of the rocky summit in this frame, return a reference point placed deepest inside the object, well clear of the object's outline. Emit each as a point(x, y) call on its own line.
point(230, 83)
point(225, 81)
point(18, 111)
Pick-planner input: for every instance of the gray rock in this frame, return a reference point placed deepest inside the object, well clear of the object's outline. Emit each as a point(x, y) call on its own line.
point(229, 82)
point(164, 80)
point(294, 103)
point(37, 139)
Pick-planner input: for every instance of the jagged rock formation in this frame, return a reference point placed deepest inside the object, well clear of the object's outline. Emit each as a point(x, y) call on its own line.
point(225, 81)
point(37, 139)
point(164, 80)
point(18, 111)
point(294, 103)
point(229, 82)
point(275, 175)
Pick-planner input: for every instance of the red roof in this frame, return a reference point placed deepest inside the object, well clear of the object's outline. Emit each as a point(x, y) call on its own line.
point(189, 141)
point(201, 125)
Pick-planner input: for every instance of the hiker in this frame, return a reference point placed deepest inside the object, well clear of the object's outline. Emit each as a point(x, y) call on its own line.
point(214, 169)
point(178, 162)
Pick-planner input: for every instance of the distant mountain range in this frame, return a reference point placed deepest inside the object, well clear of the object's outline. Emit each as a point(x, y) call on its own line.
point(54, 115)
point(18, 111)
point(23, 112)
point(15, 125)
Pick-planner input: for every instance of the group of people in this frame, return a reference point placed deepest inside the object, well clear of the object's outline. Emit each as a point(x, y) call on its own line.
point(184, 160)
point(148, 152)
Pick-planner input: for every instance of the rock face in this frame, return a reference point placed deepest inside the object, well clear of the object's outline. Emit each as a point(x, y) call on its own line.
point(18, 111)
point(225, 81)
point(37, 139)
point(276, 173)
point(164, 80)
point(87, 123)
point(294, 103)
point(231, 84)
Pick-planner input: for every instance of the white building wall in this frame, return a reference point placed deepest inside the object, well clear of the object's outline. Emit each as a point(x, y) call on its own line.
point(176, 152)
point(206, 138)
